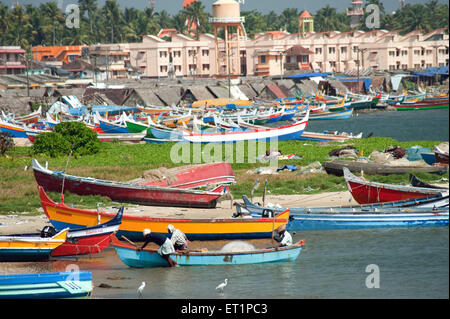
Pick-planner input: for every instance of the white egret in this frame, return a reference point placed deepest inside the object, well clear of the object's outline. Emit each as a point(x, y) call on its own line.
point(222, 285)
point(141, 289)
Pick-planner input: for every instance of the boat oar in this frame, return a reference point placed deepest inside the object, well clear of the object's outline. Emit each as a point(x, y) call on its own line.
point(130, 242)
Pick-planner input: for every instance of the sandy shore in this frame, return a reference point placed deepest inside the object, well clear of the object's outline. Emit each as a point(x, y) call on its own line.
point(16, 223)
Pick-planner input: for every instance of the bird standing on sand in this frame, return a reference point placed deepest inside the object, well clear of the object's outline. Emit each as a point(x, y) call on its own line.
point(222, 285)
point(141, 289)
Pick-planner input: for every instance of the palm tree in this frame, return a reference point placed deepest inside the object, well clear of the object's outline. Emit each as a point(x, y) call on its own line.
point(89, 6)
point(325, 19)
point(5, 23)
point(113, 16)
point(195, 14)
point(289, 20)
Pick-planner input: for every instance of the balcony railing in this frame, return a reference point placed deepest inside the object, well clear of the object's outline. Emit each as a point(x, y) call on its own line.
point(227, 20)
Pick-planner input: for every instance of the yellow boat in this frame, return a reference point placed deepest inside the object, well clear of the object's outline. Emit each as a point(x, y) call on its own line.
point(62, 216)
point(29, 248)
point(220, 102)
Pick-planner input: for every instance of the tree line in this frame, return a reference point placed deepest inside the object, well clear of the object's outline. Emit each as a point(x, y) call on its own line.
point(31, 25)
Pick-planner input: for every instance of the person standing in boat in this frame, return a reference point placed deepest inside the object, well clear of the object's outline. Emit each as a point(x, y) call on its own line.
point(283, 237)
point(178, 238)
point(165, 245)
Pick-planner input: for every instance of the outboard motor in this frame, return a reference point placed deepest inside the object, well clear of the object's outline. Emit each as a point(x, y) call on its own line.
point(267, 213)
point(48, 231)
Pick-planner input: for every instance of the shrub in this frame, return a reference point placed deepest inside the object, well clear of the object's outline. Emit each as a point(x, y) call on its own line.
point(6, 142)
point(52, 144)
point(67, 136)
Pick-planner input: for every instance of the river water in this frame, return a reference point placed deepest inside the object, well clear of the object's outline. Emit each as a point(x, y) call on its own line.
point(421, 125)
point(411, 263)
point(408, 262)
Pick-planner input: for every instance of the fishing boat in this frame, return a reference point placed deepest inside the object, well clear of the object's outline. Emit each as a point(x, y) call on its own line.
point(284, 133)
point(422, 105)
point(54, 285)
point(428, 157)
point(29, 118)
point(416, 182)
point(356, 217)
point(184, 193)
point(61, 215)
point(338, 115)
point(147, 257)
point(29, 248)
point(365, 192)
point(123, 137)
point(336, 167)
point(441, 155)
point(15, 130)
point(89, 240)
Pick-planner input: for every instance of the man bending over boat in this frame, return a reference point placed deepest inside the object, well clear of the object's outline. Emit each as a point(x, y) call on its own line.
point(178, 238)
point(283, 237)
point(165, 245)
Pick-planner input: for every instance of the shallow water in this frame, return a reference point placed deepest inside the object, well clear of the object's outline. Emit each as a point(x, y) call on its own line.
point(412, 263)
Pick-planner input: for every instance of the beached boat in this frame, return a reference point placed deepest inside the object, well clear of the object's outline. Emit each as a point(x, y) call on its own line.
point(29, 248)
point(441, 156)
point(61, 215)
point(287, 132)
point(29, 118)
point(416, 182)
point(422, 105)
point(428, 157)
point(15, 130)
point(46, 285)
point(183, 193)
point(336, 167)
point(365, 192)
point(429, 211)
point(338, 115)
point(89, 240)
point(150, 257)
point(123, 137)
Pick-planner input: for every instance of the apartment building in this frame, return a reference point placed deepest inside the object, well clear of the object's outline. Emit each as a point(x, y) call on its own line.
point(12, 60)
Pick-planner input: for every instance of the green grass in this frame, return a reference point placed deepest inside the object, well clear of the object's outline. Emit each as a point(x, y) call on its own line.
point(122, 162)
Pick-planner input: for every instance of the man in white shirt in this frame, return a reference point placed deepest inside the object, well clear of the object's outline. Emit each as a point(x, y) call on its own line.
point(178, 238)
point(283, 237)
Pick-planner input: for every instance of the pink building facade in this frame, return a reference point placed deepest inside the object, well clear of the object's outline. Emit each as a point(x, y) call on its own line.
point(273, 53)
point(12, 60)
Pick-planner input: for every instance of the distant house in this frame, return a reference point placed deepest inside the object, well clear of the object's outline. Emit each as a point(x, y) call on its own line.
point(80, 69)
point(11, 60)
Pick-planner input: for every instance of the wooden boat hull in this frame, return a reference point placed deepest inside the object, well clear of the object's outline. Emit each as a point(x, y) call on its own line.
point(150, 258)
point(283, 133)
point(46, 285)
point(422, 106)
point(371, 192)
point(18, 248)
point(132, 227)
point(339, 115)
point(89, 240)
point(52, 181)
point(13, 129)
point(336, 168)
point(359, 217)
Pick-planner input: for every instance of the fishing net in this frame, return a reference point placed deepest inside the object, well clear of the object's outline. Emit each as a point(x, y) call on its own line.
point(236, 246)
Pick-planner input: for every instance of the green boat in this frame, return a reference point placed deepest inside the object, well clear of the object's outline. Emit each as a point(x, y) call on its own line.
point(138, 127)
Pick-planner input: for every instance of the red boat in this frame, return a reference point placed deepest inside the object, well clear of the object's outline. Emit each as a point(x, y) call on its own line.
point(89, 240)
point(441, 156)
point(365, 192)
point(184, 189)
point(30, 118)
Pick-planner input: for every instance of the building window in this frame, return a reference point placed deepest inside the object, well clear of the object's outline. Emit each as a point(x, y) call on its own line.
point(177, 68)
point(163, 54)
point(404, 66)
point(392, 67)
point(318, 50)
point(205, 52)
point(163, 68)
point(262, 59)
point(343, 50)
point(333, 64)
point(331, 50)
point(305, 59)
point(176, 54)
point(191, 52)
point(205, 67)
point(391, 53)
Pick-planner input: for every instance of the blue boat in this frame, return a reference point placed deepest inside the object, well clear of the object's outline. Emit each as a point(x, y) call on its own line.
point(357, 217)
point(46, 285)
point(338, 115)
point(150, 257)
point(429, 157)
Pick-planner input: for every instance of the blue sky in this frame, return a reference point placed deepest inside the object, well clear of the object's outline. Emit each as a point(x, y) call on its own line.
point(264, 6)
